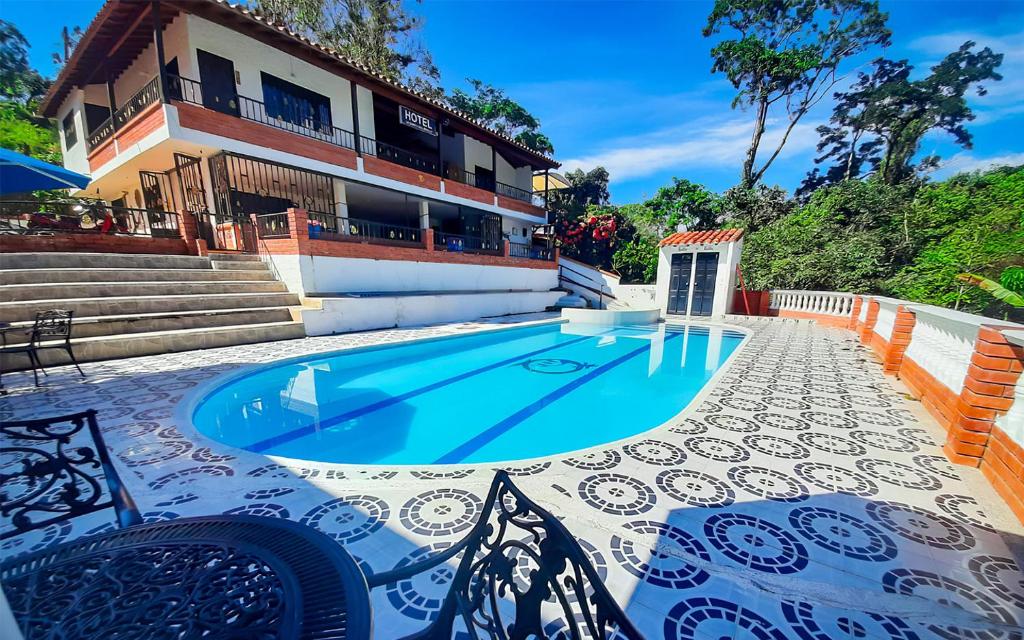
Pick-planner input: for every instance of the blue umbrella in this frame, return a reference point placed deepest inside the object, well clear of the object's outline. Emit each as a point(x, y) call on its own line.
point(20, 173)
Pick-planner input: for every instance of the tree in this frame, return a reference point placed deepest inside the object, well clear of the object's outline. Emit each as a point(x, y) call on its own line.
point(787, 55)
point(21, 88)
point(378, 34)
point(756, 207)
point(879, 123)
point(493, 108)
point(69, 40)
point(682, 202)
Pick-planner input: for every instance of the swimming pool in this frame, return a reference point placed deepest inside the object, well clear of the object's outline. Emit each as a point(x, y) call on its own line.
point(503, 395)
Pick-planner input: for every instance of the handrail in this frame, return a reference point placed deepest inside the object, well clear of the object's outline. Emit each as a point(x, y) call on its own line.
point(372, 231)
point(147, 95)
point(398, 155)
point(85, 217)
point(457, 243)
point(822, 302)
point(514, 192)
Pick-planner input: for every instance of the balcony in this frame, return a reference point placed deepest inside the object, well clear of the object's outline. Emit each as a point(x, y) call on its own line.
point(147, 95)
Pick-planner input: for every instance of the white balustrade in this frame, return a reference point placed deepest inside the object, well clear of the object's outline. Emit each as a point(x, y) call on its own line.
point(942, 343)
point(886, 319)
point(828, 303)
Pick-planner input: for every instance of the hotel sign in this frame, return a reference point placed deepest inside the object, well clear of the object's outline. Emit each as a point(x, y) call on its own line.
point(417, 120)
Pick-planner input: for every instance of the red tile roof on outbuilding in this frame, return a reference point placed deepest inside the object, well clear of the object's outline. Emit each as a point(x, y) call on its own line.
point(703, 237)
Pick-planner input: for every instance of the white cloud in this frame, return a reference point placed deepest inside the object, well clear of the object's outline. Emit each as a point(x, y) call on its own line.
point(964, 162)
point(704, 143)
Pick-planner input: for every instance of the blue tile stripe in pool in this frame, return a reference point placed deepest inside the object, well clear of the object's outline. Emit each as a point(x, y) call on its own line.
point(282, 438)
point(472, 445)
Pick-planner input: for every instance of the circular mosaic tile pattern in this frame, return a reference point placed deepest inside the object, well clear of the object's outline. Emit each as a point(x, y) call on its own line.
point(829, 402)
point(420, 596)
point(920, 525)
point(964, 509)
point(695, 488)
point(768, 483)
point(1001, 576)
point(655, 452)
point(456, 474)
point(885, 441)
point(842, 533)
point(617, 494)
point(266, 509)
point(733, 423)
point(595, 460)
point(782, 421)
point(717, 449)
point(441, 512)
point(830, 420)
point(279, 471)
point(148, 453)
point(130, 430)
point(920, 436)
point(525, 470)
point(37, 539)
point(266, 494)
point(660, 564)
point(776, 446)
point(837, 479)
point(689, 427)
point(939, 465)
point(950, 592)
point(871, 401)
point(714, 618)
point(349, 518)
point(832, 444)
point(755, 543)
point(875, 418)
point(742, 404)
point(175, 487)
point(899, 474)
point(817, 622)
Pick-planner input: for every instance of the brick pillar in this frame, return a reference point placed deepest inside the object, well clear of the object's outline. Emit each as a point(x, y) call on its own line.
point(189, 232)
point(988, 389)
point(428, 239)
point(901, 330)
point(298, 229)
point(855, 313)
point(505, 248)
point(870, 319)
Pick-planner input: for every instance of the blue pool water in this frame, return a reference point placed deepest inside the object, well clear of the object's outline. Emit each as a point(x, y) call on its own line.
point(506, 395)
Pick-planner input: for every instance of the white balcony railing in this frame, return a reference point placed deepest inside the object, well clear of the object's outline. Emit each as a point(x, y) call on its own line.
point(828, 303)
point(886, 319)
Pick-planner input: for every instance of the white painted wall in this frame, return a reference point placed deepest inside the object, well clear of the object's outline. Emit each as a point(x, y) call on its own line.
point(521, 177)
point(478, 154)
point(75, 158)
point(513, 228)
point(582, 276)
point(364, 99)
point(339, 315)
point(308, 275)
point(143, 68)
point(725, 284)
point(637, 296)
point(251, 57)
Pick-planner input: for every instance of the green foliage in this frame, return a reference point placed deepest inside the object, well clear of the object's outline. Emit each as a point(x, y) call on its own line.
point(998, 291)
point(786, 55)
point(21, 88)
point(495, 109)
point(637, 260)
point(1013, 279)
point(22, 131)
point(682, 202)
point(754, 207)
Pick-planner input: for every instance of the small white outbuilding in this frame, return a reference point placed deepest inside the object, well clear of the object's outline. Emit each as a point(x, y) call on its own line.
point(697, 272)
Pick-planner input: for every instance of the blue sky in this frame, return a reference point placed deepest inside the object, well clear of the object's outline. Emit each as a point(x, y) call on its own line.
point(628, 84)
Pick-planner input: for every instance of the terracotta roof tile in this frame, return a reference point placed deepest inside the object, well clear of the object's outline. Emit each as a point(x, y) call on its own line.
point(703, 237)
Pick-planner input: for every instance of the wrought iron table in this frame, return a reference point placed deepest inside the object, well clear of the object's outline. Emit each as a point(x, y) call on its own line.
point(207, 577)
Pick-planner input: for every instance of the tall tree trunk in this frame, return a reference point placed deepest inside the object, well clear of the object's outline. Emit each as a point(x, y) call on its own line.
point(747, 180)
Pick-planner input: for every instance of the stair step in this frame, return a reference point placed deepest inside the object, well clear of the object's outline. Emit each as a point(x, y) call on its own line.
point(234, 257)
point(52, 276)
point(61, 291)
point(238, 265)
point(157, 342)
point(59, 260)
point(148, 322)
point(131, 305)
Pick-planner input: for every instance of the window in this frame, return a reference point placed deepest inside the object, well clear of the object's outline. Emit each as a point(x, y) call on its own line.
point(70, 133)
point(294, 104)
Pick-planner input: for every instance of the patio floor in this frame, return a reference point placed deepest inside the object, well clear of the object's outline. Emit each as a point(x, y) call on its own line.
point(805, 497)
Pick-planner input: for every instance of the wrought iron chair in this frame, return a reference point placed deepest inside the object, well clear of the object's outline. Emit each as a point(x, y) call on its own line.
point(53, 325)
point(518, 559)
point(47, 473)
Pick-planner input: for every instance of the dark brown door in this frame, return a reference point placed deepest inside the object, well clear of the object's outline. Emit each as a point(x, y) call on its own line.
point(704, 284)
point(679, 282)
point(217, 76)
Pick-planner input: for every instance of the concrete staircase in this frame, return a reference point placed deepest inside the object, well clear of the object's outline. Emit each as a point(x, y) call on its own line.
point(132, 305)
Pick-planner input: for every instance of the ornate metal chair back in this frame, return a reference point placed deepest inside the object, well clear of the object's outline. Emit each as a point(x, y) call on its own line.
point(51, 470)
point(55, 323)
point(520, 566)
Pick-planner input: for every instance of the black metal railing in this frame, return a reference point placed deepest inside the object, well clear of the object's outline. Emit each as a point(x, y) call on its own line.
point(147, 95)
point(457, 243)
point(320, 222)
point(188, 90)
point(272, 225)
point(516, 193)
point(518, 250)
point(372, 231)
point(84, 217)
point(391, 153)
point(472, 179)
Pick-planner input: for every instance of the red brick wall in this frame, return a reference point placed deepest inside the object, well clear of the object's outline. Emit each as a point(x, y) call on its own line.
point(86, 242)
point(465, 191)
point(386, 169)
point(102, 154)
point(867, 328)
point(149, 120)
point(902, 327)
point(822, 319)
point(854, 320)
point(519, 205)
point(195, 117)
point(1003, 465)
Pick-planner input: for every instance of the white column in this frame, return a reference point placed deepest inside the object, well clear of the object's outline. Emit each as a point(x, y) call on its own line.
point(341, 206)
point(424, 214)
